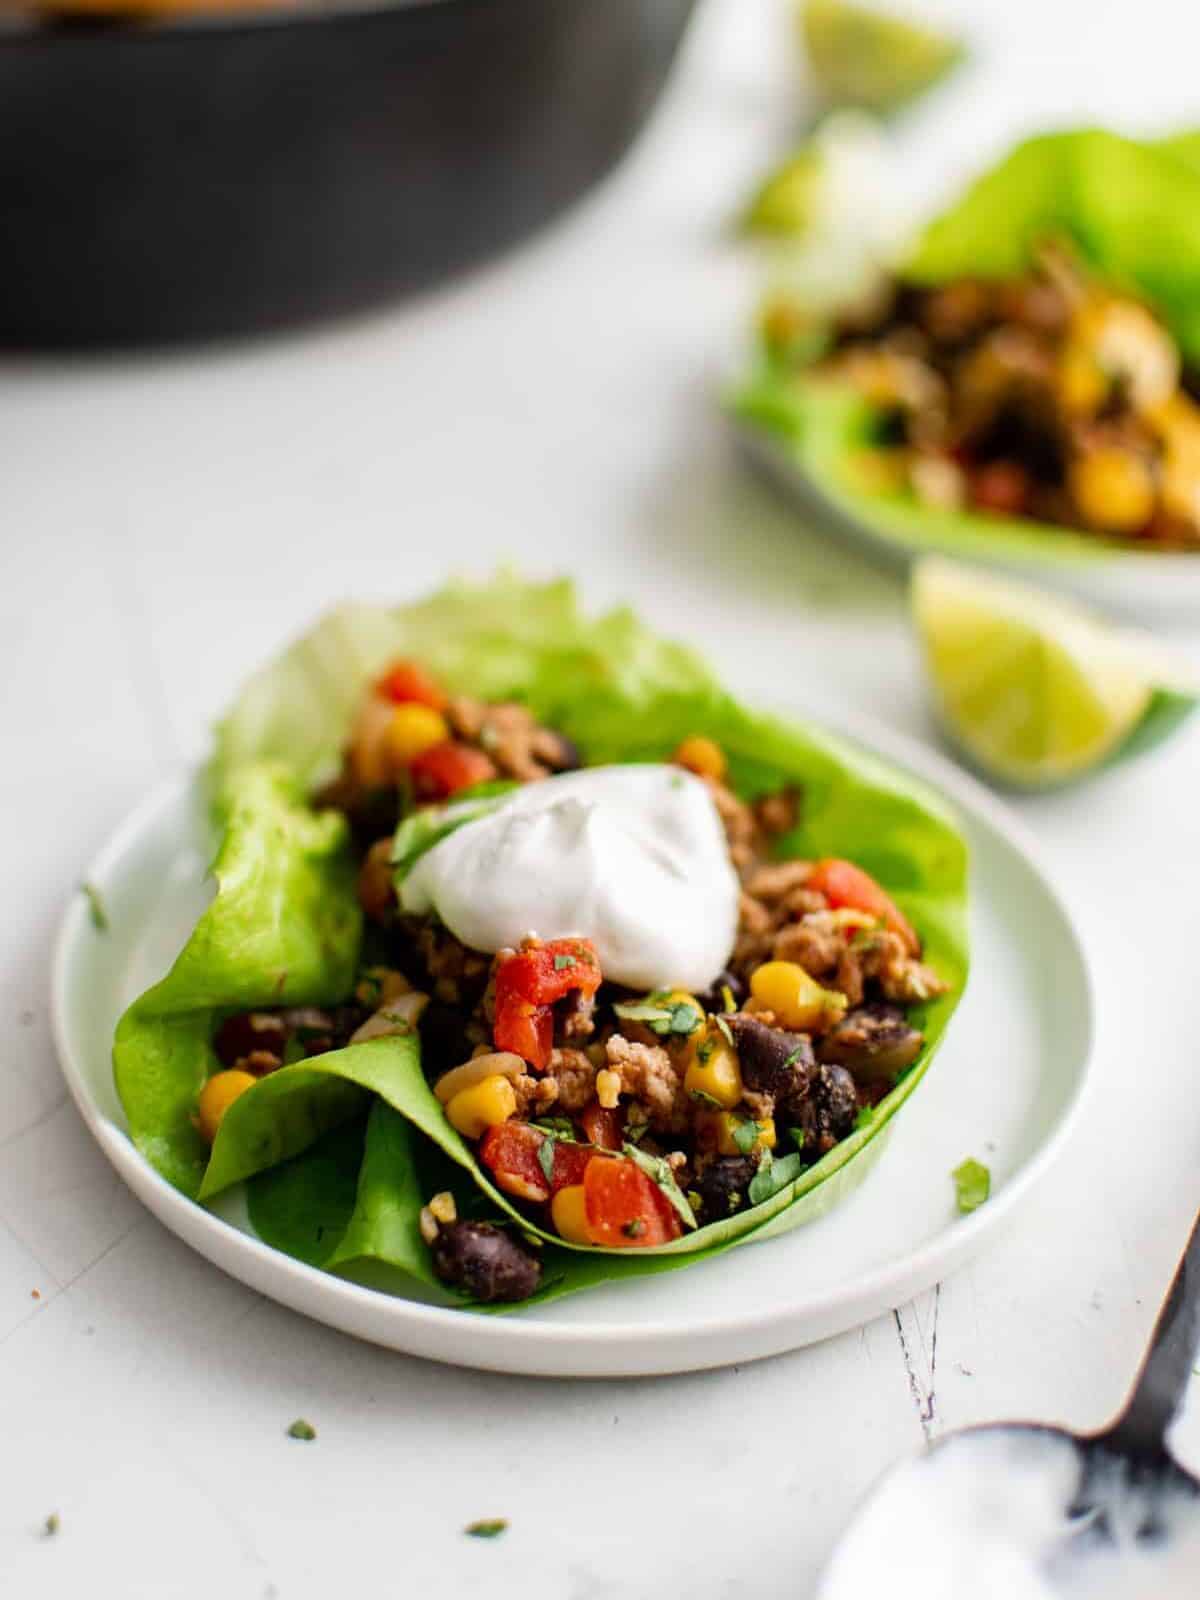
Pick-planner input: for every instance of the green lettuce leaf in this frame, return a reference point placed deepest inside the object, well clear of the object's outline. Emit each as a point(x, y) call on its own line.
point(823, 426)
point(284, 929)
point(622, 695)
point(1131, 210)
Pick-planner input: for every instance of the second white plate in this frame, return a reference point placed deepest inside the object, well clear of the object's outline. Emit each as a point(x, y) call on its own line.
point(1003, 1089)
point(1137, 585)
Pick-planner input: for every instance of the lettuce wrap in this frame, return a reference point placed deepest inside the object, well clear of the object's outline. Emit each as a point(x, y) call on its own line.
point(341, 1150)
point(1129, 210)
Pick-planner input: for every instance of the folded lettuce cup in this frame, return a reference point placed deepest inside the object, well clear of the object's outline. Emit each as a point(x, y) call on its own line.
point(1021, 389)
point(536, 960)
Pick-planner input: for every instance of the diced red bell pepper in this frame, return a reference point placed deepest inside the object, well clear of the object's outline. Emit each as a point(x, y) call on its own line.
point(443, 769)
point(529, 983)
point(524, 1028)
point(846, 886)
point(603, 1127)
point(1001, 487)
point(624, 1207)
point(512, 1153)
point(571, 1162)
point(408, 681)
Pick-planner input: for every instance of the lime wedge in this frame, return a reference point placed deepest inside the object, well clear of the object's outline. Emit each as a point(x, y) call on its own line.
point(1034, 689)
point(868, 58)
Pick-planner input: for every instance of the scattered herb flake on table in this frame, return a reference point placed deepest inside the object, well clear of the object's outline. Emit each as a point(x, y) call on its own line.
point(302, 1430)
point(51, 1525)
point(972, 1184)
point(487, 1528)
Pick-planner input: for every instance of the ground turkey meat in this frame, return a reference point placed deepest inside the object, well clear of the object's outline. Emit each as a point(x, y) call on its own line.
point(881, 956)
point(741, 827)
point(573, 1016)
point(574, 1079)
point(650, 1077)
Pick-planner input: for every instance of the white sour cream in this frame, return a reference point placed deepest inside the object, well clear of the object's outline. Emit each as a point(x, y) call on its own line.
point(632, 857)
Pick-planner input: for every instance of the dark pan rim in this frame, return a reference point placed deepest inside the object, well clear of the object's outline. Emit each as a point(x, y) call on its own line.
point(17, 32)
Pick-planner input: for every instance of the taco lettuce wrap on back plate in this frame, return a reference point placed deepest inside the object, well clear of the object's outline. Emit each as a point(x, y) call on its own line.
point(535, 959)
point(1021, 389)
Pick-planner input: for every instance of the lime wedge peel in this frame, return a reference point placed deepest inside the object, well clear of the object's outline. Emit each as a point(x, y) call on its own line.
point(866, 56)
point(1036, 690)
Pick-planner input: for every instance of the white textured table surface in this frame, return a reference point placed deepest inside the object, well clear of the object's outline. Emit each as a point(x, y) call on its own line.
point(166, 523)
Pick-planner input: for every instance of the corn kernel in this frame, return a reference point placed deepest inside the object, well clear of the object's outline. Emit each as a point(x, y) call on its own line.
point(608, 1089)
point(473, 1111)
point(216, 1097)
point(720, 1131)
point(797, 999)
point(714, 1072)
point(568, 1212)
point(702, 756)
point(1113, 488)
point(427, 1223)
point(442, 1207)
point(414, 728)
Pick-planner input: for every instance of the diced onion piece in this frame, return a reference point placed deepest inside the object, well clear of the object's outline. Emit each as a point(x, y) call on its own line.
point(475, 1071)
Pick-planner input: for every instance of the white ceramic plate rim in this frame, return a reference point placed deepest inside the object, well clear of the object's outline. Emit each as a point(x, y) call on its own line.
point(592, 1349)
point(1153, 582)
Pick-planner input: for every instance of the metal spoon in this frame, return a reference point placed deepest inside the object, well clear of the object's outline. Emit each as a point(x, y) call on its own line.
point(1024, 1510)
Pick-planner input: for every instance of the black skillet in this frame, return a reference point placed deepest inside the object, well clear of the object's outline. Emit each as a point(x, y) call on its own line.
point(176, 179)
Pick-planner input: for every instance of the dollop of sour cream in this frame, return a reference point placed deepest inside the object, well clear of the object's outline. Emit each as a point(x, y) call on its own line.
point(631, 857)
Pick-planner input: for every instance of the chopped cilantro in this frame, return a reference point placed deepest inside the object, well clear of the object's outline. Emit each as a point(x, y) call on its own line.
point(703, 1098)
point(486, 1528)
point(745, 1136)
point(972, 1184)
point(799, 1137)
point(634, 1228)
point(561, 963)
point(772, 1176)
point(695, 1200)
point(546, 1157)
point(556, 1127)
point(686, 1018)
point(302, 1430)
point(663, 1018)
point(796, 1055)
point(96, 909)
point(659, 1170)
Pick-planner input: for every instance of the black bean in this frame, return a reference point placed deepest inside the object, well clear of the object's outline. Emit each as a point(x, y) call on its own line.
point(242, 1035)
point(485, 1261)
point(773, 1061)
point(713, 999)
point(722, 1186)
point(875, 1042)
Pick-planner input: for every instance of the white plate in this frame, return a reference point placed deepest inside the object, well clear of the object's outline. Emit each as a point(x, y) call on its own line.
point(1005, 1088)
point(1139, 585)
